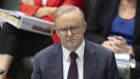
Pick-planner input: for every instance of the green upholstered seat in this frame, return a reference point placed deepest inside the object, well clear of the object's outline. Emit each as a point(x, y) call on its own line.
point(124, 71)
point(27, 64)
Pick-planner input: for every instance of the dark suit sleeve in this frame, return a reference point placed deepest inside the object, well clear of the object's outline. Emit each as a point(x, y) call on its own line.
point(137, 58)
point(137, 52)
point(93, 28)
point(36, 74)
point(112, 71)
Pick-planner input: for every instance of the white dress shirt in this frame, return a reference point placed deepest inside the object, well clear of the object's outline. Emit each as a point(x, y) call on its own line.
point(79, 60)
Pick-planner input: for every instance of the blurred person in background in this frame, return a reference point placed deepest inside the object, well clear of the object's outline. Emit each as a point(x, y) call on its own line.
point(115, 25)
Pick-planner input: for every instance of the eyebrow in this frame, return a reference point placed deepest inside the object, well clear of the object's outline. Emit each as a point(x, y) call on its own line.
point(70, 26)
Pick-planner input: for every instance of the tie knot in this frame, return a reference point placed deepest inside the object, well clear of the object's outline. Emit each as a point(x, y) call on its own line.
point(73, 56)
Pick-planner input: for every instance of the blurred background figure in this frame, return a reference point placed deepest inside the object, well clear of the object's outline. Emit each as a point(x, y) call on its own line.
point(16, 43)
point(115, 25)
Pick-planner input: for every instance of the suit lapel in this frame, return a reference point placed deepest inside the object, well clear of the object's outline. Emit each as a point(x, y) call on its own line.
point(90, 62)
point(56, 63)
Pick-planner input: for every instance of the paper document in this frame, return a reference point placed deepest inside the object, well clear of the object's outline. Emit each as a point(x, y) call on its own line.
point(29, 23)
point(122, 58)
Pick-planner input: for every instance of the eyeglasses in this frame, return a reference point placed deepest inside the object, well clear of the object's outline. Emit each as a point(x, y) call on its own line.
point(64, 31)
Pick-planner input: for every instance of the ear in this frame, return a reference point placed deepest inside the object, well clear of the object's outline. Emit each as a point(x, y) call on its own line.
point(85, 26)
point(56, 31)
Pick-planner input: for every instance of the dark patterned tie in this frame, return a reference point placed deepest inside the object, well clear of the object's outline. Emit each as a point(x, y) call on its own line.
point(73, 71)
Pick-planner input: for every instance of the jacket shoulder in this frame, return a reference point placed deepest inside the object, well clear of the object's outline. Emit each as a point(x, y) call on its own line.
point(48, 50)
point(98, 48)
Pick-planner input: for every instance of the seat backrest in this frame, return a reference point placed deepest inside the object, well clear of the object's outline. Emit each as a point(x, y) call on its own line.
point(27, 64)
point(10, 4)
point(124, 71)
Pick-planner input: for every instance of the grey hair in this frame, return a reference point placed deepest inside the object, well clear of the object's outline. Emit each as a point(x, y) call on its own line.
point(66, 9)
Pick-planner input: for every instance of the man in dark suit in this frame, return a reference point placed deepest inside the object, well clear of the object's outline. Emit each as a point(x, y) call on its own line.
point(74, 57)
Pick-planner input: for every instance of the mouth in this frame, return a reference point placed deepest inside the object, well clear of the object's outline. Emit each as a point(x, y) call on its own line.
point(71, 40)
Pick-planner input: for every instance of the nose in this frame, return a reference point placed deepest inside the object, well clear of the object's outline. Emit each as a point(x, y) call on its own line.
point(69, 32)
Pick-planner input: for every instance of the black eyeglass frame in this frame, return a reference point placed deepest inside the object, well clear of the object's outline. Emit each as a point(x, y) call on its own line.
point(72, 29)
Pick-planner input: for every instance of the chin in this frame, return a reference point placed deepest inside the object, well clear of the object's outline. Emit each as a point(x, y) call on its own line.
point(69, 43)
point(72, 41)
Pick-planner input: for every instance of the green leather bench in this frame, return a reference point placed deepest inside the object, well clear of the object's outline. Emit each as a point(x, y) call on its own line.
point(124, 71)
point(27, 66)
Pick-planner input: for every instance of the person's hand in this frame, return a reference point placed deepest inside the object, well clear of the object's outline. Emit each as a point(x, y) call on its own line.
point(30, 2)
point(119, 44)
point(43, 11)
point(108, 44)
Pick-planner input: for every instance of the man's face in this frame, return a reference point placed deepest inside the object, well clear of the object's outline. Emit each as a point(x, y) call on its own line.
point(70, 29)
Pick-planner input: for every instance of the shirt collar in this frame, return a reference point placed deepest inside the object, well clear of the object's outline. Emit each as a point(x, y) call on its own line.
point(79, 51)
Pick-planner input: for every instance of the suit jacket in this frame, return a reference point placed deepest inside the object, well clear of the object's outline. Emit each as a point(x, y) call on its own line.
point(99, 63)
point(31, 9)
point(100, 20)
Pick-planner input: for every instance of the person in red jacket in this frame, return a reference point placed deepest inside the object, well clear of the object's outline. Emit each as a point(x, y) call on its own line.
point(16, 43)
point(45, 9)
